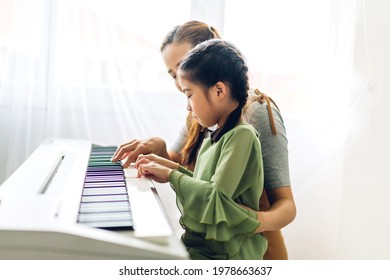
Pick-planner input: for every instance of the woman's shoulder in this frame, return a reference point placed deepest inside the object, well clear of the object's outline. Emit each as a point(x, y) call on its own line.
point(258, 115)
point(257, 108)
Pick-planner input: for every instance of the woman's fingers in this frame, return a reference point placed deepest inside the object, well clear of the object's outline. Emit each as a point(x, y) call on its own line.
point(123, 150)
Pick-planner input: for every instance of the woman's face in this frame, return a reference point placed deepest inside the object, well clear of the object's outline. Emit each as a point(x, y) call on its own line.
point(172, 55)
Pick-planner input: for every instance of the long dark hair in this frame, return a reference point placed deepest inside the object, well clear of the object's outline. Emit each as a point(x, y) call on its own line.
point(192, 32)
point(215, 61)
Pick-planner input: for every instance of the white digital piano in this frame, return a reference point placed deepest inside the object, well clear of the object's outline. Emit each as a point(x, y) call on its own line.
point(69, 201)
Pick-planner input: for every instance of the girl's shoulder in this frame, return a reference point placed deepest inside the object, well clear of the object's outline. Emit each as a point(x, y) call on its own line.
point(243, 128)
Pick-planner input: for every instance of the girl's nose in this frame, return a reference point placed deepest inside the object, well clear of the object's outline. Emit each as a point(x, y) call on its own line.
point(189, 107)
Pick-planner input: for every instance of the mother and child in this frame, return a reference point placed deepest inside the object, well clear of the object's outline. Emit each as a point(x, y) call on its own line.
point(232, 183)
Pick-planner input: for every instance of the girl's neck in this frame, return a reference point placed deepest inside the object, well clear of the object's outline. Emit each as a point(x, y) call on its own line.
point(226, 114)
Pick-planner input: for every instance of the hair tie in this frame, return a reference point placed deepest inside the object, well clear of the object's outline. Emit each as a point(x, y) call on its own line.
point(212, 31)
point(262, 97)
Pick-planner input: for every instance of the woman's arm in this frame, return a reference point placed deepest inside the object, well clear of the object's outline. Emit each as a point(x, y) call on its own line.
point(130, 151)
point(281, 212)
point(277, 206)
point(174, 156)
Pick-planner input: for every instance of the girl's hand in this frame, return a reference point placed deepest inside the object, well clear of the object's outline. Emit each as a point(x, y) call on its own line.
point(141, 159)
point(154, 171)
point(260, 217)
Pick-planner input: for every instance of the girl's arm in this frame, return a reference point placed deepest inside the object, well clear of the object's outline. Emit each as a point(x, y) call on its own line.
point(157, 168)
point(231, 172)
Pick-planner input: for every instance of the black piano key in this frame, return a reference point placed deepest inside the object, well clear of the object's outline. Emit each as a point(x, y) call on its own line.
point(105, 184)
point(105, 173)
point(104, 198)
point(104, 207)
point(105, 157)
point(103, 163)
point(108, 178)
point(104, 191)
point(103, 217)
point(105, 168)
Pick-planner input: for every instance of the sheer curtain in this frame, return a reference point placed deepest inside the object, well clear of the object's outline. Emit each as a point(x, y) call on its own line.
point(326, 64)
point(108, 76)
point(301, 53)
point(85, 69)
point(22, 81)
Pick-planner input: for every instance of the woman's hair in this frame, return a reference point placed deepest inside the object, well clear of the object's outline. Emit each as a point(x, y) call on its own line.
point(215, 61)
point(192, 32)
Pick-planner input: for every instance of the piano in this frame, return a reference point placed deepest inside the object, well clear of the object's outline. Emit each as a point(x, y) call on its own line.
point(69, 201)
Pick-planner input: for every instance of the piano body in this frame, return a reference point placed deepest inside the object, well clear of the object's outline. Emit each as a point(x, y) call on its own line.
point(67, 201)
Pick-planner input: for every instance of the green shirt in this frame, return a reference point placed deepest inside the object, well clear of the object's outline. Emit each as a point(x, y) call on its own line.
point(226, 173)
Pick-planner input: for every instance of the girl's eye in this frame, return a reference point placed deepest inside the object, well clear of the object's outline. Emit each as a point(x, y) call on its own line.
point(174, 77)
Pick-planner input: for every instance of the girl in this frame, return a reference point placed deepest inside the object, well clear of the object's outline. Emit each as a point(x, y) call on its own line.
point(277, 206)
point(229, 167)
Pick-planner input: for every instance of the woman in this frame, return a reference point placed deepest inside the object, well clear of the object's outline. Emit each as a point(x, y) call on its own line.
point(213, 76)
point(277, 206)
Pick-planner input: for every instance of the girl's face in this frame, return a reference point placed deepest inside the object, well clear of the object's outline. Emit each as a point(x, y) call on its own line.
point(200, 107)
point(172, 55)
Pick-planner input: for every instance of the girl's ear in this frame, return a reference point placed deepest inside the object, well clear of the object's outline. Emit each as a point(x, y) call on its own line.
point(220, 90)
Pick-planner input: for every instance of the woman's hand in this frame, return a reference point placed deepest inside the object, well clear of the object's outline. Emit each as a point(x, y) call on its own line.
point(131, 150)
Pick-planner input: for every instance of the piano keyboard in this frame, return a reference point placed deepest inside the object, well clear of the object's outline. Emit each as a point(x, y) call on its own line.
point(104, 201)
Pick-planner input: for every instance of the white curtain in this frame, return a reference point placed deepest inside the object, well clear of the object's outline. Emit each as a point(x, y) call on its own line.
point(301, 54)
point(85, 69)
point(92, 70)
point(326, 64)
